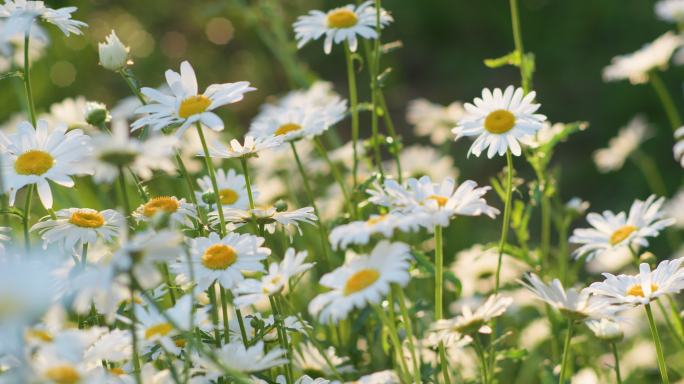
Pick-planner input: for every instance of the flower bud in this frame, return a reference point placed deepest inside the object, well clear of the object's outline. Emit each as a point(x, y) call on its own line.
point(113, 54)
point(649, 258)
point(96, 114)
point(209, 198)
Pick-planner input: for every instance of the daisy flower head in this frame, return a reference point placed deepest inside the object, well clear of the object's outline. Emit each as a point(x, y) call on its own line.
point(434, 120)
point(75, 227)
point(675, 208)
point(232, 190)
point(155, 328)
point(224, 259)
point(113, 53)
point(70, 111)
point(119, 150)
point(237, 357)
point(576, 305)
point(251, 147)
point(678, 148)
point(500, 120)
point(364, 280)
point(642, 288)
point(606, 329)
point(360, 232)
point(636, 66)
point(294, 123)
point(20, 15)
point(268, 216)
point(339, 25)
point(623, 145)
point(145, 250)
point(178, 211)
point(611, 232)
point(35, 156)
point(471, 322)
point(185, 106)
point(670, 10)
point(319, 95)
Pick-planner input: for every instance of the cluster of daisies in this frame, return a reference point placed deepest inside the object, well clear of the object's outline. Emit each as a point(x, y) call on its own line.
point(164, 253)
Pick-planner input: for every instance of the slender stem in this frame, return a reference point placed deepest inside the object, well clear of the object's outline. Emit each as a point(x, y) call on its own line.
point(27, 216)
point(125, 203)
point(665, 99)
point(659, 348)
point(444, 363)
point(214, 313)
point(396, 145)
point(617, 363)
point(439, 273)
point(84, 255)
point(374, 59)
point(545, 230)
point(134, 334)
point(353, 100)
point(651, 173)
point(224, 313)
point(245, 170)
point(169, 283)
point(212, 176)
point(307, 187)
point(409, 332)
point(394, 338)
point(566, 353)
point(129, 78)
point(27, 78)
point(282, 337)
point(243, 331)
point(191, 189)
point(479, 350)
point(517, 38)
point(506, 218)
point(336, 174)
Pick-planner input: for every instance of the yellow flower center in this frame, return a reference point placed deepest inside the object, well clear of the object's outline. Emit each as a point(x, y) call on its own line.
point(636, 290)
point(499, 121)
point(39, 334)
point(287, 128)
point(165, 204)
point(621, 234)
point(219, 256)
point(341, 18)
point(193, 105)
point(228, 196)
point(63, 374)
point(376, 219)
point(161, 329)
point(360, 281)
point(180, 343)
point(87, 219)
point(116, 371)
point(441, 200)
point(33, 162)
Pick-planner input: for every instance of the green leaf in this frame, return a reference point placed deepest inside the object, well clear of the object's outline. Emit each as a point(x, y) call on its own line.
point(7, 75)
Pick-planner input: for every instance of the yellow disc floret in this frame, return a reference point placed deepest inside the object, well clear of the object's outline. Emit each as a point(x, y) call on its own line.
point(161, 329)
point(341, 18)
point(360, 281)
point(166, 204)
point(63, 374)
point(636, 290)
point(87, 219)
point(193, 105)
point(621, 234)
point(219, 256)
point(499, 121)
point(228, 196)
point(287, 128)
point(441, 200)
point(33, 162)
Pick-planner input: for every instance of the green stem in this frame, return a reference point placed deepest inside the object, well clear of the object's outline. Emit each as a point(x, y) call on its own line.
point(409, 332)
point(439, 273)
point(659, 348)
point(282, 338)
point(212, 176)
point(27, 79)
point(665, 99)
point(307, 187)
point(394, 338)
point(336, 174)
point(353, 101)
point(169, 283)
point(506, 218)
point(517, 39)
point(617, 363)
point(134, 334)
point(245, 170)
point(224, 313)
point(444, 362)
point(479, 350)
point(243, 331)
point(27, 216)
point(214, 314)
point(129, 78)
point(191, 190)
point(84, 255)
point(566, 353)
point(395, 145)
point(649, 169)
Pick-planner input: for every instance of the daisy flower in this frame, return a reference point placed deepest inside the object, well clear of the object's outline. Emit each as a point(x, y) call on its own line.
point(678, 148)
point(251, 147)
point(309, 359)
point(635, 66)
point(339, 25)
point(185, 106)
point(21, 13)
point(670, 10)
point(434, 120)
point(118, 149)
point(268, 216)
point(70, 111)
point(471, 322)
point(75, 227)
point(642, 288)
point(574, 304)
point(621, 147)
point(224, 259)
point(232, 190)
point(500, 120)
point(611, 232)
point(113, 53)
point(145, 250)
point(364, 280)
point(154, 328)
point(476, 265)
point(34, 156)
point(292, 123)
point(606, 329)
point(235, 356)
point(319, 95)
point(360, 232)
point(179, 211)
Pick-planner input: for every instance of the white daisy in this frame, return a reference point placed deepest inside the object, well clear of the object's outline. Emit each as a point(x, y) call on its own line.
point(186, 106)
point(34, 156)
point(232, 190)
point(381, 377)
point(642, 288)
point(70, 111)
point(471, 322)
point(319, 95)
point(251, 147)
point(309, 359)
point(224, 259)
point(21, 13)
point(670, 10)
point(145, 250)
point(635, 66)
point(674, 208)
point(268, 216)
point(421, 160)
point(434, 120)
point(360, 232)
point(364, 280)
point(119, 149)
point(606, 329)
point(678, 148)
point(500, 120)
point(611, 231)
point(74, 227)
point(235, 356)
point(339, 25)
point(113, 53)
point(154, 328)
point(577, 305)
point(180, 212)
point(621, 147)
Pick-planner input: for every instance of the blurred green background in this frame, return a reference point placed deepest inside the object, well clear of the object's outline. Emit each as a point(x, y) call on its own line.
point(444, 45)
